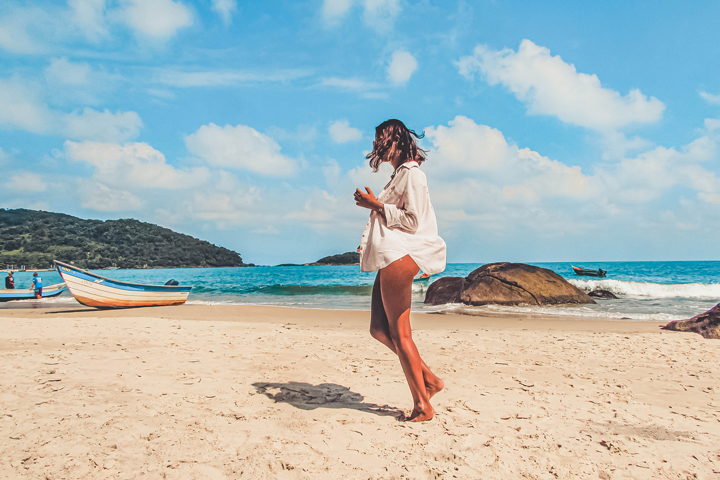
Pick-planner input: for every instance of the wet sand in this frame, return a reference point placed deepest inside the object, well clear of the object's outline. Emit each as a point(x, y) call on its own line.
point(267, 392)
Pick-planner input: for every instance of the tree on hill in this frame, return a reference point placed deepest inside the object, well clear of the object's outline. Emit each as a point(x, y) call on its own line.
point(347, 258)
point(36, 238)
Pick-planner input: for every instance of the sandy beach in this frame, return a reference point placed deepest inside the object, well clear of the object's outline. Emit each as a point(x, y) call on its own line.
point(265, 392)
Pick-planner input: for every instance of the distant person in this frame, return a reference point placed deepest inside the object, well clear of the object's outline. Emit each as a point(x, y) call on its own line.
point(37, 285)
point(9, 281)
point(401, 238)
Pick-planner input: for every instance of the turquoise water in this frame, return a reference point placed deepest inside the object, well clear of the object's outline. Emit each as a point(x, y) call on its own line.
point(647, 290)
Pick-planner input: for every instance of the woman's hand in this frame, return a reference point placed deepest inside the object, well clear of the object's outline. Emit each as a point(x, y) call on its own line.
point(368, 200)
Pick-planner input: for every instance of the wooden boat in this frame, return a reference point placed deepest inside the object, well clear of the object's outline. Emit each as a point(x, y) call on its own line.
point(29, 293)
point(95, 291)
point(421, 277)
point(589, 273)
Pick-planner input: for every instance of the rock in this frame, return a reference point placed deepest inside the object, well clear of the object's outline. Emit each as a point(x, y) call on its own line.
point(602, 294)
point(516, 283)
point(445, 290)
point(706, 324)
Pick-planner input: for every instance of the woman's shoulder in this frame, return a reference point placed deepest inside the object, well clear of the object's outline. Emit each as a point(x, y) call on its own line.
point(408, 176)
point(412, 172)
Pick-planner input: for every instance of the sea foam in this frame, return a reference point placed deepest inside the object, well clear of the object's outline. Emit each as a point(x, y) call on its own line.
point(653, 290)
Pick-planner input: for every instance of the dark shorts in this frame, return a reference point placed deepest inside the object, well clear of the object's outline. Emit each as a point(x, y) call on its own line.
point(38, 291)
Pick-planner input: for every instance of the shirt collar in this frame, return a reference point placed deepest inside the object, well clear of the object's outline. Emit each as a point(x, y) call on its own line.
point(410, 164)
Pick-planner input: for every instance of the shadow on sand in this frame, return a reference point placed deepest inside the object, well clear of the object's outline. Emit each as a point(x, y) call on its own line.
point(326, 395)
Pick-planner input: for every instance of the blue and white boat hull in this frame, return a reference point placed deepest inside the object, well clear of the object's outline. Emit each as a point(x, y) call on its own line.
point(29, 293)
point(96, 291)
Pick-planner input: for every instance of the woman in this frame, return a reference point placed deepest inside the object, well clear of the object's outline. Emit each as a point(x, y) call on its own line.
point(400, 239)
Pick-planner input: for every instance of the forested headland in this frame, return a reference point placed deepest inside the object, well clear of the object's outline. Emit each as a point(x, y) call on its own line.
point(36, 238)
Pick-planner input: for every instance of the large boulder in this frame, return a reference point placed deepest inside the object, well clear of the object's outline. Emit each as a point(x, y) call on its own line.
point(445, 290)
point(706, 324)
point(516, 283)
point(506, 284)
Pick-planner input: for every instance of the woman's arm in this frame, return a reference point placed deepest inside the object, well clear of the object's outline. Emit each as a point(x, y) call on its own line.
point(412, 192)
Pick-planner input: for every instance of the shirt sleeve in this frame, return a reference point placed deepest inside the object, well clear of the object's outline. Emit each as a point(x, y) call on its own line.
point(405, 214)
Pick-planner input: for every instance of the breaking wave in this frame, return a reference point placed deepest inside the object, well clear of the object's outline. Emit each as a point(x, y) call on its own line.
point(651, 290)
point(278, 289)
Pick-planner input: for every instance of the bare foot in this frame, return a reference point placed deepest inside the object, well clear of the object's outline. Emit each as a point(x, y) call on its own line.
point(422, 415)
point(433, 386)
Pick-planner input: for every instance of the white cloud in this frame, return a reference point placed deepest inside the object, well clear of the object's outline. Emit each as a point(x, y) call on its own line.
point(363, 87)
point(349, 83)
point(133, 165)
point(466, 146)
point(26, 182)
point(96, 196)
point(224, 208)
point(550, 86)
point(62, 71)
point(315, 211)
point(89, 16)
point(21, 107)
point(223, 78)
point(105, 126)
point(225, 8)
point(651, 174)
point(157, 19)
point(476, 173)
point(332, 172)
point(710, 98)
point(240, 147)
point(334, 10)
point(14, 35)
point(77, 83)
point(401, 67)
point(380, 14)
point(616, 144)
point(480, 150)
point(712, 124)
point(341, 132)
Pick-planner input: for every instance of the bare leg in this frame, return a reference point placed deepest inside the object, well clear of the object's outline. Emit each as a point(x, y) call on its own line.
point(396, 289)
point(380, 331)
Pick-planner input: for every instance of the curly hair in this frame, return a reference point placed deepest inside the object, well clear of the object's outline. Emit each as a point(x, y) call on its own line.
point(394, 139)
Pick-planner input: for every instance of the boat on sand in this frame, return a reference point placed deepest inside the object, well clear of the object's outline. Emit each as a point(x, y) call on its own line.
point(94, 290)
point(29, 293)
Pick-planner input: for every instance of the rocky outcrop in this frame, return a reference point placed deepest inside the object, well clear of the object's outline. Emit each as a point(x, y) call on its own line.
point(517, 283)
point(445, 290)
point(507, 284)
point(706, 324)
point(602, 294)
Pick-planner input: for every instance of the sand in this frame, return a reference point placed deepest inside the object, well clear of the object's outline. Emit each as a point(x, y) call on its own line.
point(262, 392)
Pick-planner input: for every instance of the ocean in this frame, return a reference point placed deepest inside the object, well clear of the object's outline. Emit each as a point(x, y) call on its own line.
point(647, 291)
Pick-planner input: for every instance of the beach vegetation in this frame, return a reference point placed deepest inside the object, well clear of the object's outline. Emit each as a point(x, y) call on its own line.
point(36, 238)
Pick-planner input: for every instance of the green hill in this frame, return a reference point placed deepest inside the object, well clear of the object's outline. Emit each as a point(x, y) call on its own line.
point(348, 258)
point(35, 238)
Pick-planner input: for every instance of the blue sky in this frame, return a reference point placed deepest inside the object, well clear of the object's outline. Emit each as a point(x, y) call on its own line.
point(556, 131)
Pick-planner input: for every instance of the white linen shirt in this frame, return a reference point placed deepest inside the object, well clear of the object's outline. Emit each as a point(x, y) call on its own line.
point(409, 226)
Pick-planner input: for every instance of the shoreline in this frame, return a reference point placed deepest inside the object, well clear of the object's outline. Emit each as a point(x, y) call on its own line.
point(271, 313)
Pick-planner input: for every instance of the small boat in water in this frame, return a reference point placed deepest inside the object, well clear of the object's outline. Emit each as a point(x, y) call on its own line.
point(93, 290)
point(589, 273)
point(421, 277)
point(29, 293)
